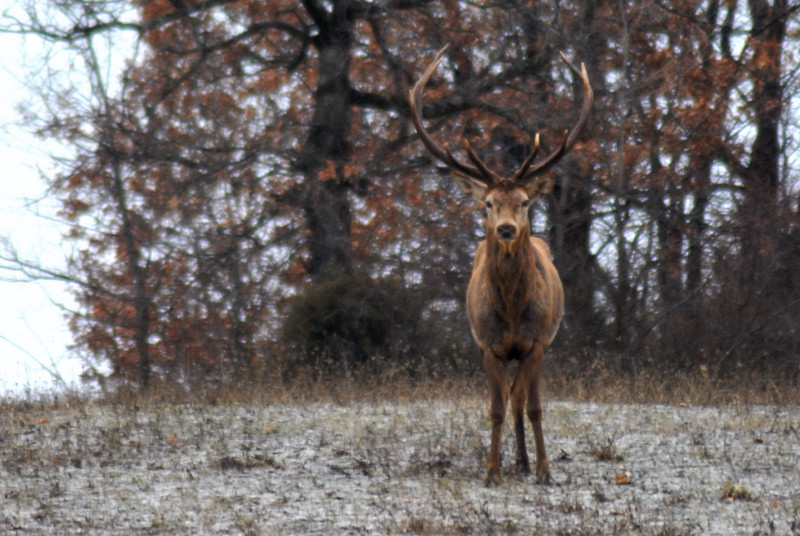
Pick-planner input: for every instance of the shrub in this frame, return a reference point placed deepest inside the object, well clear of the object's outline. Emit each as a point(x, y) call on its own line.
point(350, 318)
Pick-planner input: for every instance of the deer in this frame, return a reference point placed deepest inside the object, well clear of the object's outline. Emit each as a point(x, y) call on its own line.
point(515, 300)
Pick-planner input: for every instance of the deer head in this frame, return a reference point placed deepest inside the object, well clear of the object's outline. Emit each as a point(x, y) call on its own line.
point(506, 199)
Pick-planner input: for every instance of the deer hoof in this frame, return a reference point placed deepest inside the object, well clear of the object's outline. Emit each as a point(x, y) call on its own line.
point(543, 472)
point(492, 479)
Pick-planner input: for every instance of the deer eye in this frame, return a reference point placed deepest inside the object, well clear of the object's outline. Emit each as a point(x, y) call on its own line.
point(488, 204)
point(526, 203)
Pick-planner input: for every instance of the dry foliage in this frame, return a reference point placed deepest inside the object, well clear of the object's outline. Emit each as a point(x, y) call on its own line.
point(253, 148)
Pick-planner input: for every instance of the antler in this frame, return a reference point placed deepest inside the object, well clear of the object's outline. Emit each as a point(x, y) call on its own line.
point(479, 171)
point(526, 172)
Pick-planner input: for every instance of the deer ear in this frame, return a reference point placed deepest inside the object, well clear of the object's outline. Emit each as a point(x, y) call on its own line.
point(473, 188)
point(541, 186)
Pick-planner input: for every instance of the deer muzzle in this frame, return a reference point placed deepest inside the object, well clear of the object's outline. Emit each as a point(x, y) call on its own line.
point(506, 233)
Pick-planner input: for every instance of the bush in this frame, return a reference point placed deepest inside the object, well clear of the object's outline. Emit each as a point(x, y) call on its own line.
point(351, 318)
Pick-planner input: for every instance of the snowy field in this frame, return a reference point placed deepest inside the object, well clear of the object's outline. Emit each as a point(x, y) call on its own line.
point(396, 468)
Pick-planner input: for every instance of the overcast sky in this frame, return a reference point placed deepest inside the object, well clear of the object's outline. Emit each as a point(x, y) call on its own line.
point(33, 333)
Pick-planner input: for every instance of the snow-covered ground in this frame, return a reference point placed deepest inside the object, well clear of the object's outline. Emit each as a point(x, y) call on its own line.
point(395, 468)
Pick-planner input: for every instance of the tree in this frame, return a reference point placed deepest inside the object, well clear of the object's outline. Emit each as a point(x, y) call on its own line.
point(250, 151)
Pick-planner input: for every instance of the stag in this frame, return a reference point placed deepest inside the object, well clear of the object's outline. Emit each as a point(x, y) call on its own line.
point(515, 301)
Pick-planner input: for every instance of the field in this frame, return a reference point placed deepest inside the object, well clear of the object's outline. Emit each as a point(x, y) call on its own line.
point(396, 465)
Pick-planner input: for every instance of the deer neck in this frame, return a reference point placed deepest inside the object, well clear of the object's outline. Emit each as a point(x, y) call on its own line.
point(511, 273)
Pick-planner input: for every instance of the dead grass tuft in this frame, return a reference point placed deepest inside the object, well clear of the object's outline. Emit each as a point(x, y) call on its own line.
point(257, 461)
point(732, 492)
point(607, 452)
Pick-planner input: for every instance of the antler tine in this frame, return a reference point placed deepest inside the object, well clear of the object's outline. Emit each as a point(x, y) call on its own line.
point(480, 173)
point(455, 164)
point(587, 101)
point(488, 173)
point(528, 161)
point(544, 165)
point(570, 138)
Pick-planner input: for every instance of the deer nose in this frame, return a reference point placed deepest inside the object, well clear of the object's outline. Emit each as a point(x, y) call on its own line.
point(506, 232)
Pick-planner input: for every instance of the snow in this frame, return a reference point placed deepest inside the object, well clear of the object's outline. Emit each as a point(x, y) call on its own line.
point(394, 468)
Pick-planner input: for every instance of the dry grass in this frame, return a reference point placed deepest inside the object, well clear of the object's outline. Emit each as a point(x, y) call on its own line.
point(602, 382)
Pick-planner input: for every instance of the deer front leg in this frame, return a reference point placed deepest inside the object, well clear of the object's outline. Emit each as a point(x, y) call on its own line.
point(497, 373)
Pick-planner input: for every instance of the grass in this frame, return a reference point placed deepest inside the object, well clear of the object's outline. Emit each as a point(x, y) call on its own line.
point(601, 382)
point(732, 492)
point(394, 453)
point(606, 451)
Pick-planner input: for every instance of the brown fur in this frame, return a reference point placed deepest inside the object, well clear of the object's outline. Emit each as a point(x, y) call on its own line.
point(515, 303)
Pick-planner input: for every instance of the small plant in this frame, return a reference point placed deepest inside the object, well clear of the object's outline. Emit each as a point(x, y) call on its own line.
point(706, 454)
point(607, 452)
point(732, 492)
point(599, 495)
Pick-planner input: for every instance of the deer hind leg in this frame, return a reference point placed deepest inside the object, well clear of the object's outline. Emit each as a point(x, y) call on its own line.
point(535, 414)
point(497, 373)
point(519, 395)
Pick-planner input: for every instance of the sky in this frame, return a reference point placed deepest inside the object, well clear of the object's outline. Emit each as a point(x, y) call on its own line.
point(34, 338)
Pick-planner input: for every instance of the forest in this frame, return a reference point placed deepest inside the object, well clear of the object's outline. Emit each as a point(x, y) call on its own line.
point(246, 193)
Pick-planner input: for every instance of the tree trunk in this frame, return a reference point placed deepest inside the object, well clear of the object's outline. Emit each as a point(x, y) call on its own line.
point(669, 270)
point(573, 253)
point(761, 179)
point(141, 299)
point(327, 148)
point(696, 230)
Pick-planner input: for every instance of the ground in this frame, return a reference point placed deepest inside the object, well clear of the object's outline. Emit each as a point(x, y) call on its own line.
point(395, 467)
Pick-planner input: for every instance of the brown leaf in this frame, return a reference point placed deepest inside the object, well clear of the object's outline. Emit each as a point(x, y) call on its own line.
point(623, 479)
